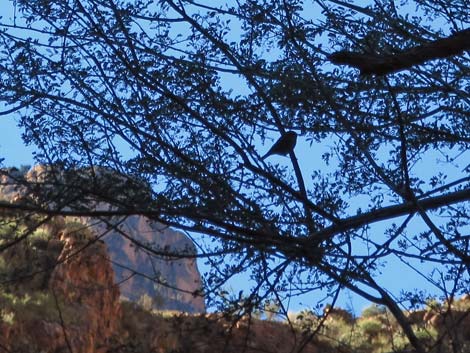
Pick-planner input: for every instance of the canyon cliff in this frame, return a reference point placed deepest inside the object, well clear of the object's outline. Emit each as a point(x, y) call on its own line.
point(135, 245)
point(58, 292)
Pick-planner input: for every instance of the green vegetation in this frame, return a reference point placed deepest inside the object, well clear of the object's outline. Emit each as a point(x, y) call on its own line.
point(376, 331)
point(79, 230)
point(373, 311)
point(39, 239)
point(33, 306)
point(8, 229)
point(25, 266)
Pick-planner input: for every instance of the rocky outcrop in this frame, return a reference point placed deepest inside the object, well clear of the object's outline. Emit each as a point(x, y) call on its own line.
point(213, 333)
point(78, 311)
point(75, 306)
point(138, 247)
point(85, 277)
point(139, 250)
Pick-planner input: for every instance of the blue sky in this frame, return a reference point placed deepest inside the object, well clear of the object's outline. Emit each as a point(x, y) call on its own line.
point(12, 147)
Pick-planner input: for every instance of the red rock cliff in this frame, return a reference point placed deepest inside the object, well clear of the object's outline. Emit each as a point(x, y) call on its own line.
point(79, 309)
point(169, 283)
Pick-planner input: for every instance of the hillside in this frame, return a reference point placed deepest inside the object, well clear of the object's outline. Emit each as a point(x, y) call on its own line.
point(59, 294)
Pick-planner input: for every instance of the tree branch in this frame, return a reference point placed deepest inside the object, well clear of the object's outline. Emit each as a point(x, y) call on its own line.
point(370, 64)
point(392, 212)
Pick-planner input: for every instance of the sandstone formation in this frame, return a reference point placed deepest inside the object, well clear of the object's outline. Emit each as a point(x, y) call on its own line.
point(59, 293)
point(137, 246)
point(79, 308)
point(172, 283)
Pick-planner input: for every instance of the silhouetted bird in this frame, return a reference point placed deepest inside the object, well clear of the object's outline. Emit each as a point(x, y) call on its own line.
point(284, 145)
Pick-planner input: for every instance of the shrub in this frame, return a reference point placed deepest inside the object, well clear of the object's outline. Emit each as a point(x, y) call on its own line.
point(339, 329)
point(370, 327)
point(146, 302)
point(7, 317)
point(305, 320)
point(35, 305)
point(40, 234)
point(8, 230)
point(432, 304)
point(373, 310)
point(39, 239)
point(425, 334)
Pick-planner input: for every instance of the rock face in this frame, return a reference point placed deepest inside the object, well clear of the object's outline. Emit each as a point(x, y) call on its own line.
point(135, 246)
point(142, 269)
point(85, 277)
point(78, 311)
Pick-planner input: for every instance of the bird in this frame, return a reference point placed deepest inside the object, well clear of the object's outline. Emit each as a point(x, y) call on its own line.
point(284, 145)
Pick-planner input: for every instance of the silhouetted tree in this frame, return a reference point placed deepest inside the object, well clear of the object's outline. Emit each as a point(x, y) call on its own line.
point(186, 96)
